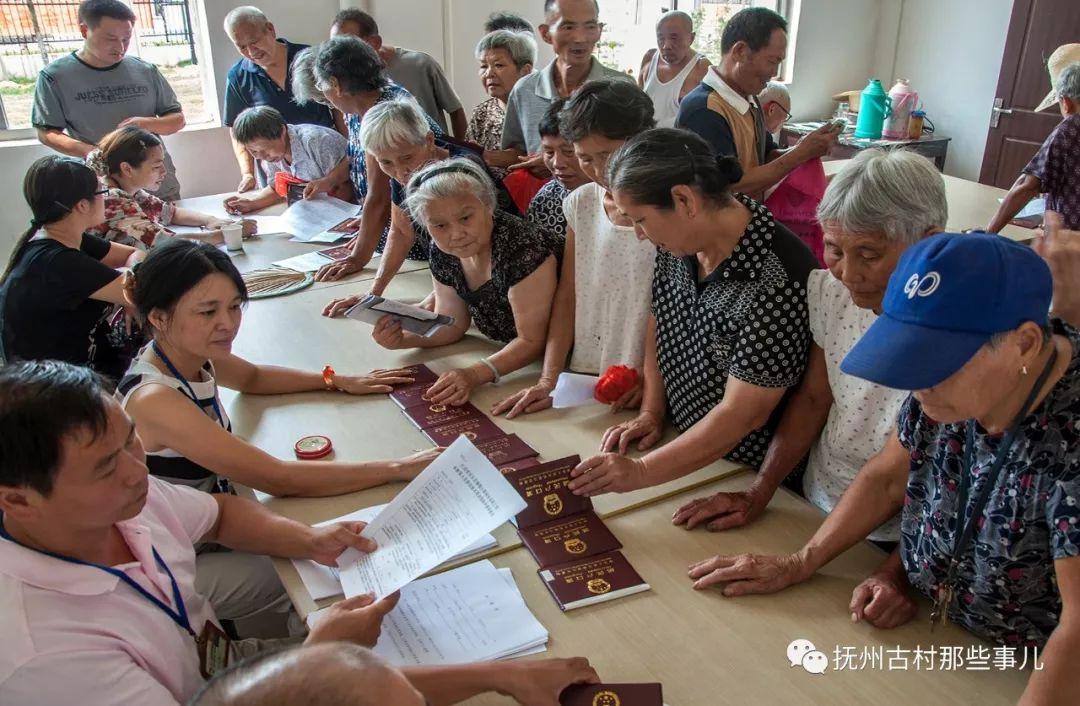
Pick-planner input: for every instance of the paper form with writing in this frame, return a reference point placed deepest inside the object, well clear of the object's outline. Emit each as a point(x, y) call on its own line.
point(309, 218)
point(455, 501)
point(470, 614)
point(322, 581)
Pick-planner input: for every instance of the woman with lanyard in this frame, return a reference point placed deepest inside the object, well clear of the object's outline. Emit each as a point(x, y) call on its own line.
point(190, 296)
point(985, 464)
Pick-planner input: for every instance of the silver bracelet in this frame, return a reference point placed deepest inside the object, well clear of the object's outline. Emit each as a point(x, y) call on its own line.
point(492, 368)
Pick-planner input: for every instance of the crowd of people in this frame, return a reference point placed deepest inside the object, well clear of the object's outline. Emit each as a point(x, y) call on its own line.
point(922, 388)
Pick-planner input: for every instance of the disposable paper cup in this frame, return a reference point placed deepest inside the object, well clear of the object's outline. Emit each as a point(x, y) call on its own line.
point(234, 237)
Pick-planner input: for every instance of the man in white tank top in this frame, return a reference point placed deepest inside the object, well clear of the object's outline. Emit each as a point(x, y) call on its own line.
point(673, 69)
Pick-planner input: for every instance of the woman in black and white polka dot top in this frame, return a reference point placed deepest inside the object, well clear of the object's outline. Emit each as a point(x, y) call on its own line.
point(728, 333)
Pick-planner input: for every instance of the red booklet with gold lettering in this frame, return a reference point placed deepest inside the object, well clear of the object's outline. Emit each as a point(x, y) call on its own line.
point(595, 579)
point(420, 373)
point(612, 695)
point(519, 465)
point(432, 415)
point(544, 489)
point(506, 449)
point(568, 539)
point(475, 429)
point(411, 395)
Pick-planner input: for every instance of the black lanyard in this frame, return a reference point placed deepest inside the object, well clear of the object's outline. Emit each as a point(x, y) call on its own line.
point(179, 615)
point(945, 590)
point(183, 381)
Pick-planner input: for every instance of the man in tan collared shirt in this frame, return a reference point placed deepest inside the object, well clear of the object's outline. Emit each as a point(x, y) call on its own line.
point(724, 111)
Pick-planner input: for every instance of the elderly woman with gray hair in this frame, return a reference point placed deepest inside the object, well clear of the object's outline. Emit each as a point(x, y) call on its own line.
point(396, 135)
point(505, 57)
point(489, 268)
point(881, 203)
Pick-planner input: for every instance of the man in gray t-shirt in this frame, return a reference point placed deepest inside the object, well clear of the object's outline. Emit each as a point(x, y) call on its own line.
point(417, 72)
point(83, 96)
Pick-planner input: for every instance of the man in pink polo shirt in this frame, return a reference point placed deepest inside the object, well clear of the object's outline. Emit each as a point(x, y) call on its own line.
point(97, 560)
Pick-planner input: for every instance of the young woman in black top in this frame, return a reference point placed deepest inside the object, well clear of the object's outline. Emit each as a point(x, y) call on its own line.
point(61, 293)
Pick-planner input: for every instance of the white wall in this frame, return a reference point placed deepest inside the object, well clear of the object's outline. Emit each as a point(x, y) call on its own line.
point(951, 52)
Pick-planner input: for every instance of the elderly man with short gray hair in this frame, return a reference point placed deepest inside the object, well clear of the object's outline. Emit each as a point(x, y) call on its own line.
point(302, 152)
point(1053, 170)
point(263, 77)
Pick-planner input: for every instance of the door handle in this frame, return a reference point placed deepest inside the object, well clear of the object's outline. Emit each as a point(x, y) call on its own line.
point(997, 111)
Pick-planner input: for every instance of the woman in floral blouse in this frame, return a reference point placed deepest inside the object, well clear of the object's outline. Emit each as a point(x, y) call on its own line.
point(504, 58)
point(131, 162)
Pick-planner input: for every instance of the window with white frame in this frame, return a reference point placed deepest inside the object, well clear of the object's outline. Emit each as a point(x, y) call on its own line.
point(35, 32)
point(630, 27)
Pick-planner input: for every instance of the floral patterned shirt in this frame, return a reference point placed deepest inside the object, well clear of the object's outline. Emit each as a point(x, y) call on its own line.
point(1006, 589)
point(134, 219)
point(485, 128)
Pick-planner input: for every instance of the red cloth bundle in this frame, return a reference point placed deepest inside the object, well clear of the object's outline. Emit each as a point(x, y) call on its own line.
point(614, 383)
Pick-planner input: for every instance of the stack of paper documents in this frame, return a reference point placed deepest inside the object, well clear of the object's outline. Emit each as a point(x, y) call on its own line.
point(323, 581)
point(469, 614)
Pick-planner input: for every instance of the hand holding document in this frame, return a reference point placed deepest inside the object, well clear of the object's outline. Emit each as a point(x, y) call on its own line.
point(473, 613)
point(323, 581)
point(454, 502)
point(413, 319)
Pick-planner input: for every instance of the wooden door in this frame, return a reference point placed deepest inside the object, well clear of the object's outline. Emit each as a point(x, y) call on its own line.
point(1036, 29)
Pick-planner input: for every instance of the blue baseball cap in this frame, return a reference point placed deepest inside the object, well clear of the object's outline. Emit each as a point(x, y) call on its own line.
point(948, 295)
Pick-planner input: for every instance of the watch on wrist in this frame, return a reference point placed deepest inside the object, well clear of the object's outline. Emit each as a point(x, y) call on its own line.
point(328, 378)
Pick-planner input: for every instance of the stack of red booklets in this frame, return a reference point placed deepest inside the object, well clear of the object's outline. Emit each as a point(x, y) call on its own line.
point(442, 424)
point(612, 695)
point(578, 555)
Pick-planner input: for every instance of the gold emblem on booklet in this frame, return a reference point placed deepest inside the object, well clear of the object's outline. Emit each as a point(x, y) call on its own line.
point(575, 546)
point(470, 435)
point(553, 504)
point(600, 586)
point(437, 408)
point(605, 697)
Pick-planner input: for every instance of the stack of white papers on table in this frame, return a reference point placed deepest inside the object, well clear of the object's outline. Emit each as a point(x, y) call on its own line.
point(470, 614)
point(309, 219)
point(324, 581)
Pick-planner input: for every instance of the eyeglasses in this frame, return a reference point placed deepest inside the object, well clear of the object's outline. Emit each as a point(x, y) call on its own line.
point(101, 192)
point(787, 113)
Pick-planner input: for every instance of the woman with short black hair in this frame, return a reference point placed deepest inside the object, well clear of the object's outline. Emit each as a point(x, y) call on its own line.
point(61, 294)
point(729, 332)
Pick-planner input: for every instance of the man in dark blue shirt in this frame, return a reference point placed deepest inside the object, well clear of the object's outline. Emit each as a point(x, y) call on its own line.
point(263, 77)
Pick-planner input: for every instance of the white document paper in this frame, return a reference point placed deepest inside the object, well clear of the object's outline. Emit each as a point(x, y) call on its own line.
point(323, 581)
point(470, 614)
point(574, 390)
point(308, 218)
point(454, 502)
point(308, 262)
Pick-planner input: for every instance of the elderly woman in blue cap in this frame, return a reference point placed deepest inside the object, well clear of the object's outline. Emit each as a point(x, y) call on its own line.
point(985, 463)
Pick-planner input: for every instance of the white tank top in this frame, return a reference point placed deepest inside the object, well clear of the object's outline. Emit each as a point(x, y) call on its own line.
point(665, 96)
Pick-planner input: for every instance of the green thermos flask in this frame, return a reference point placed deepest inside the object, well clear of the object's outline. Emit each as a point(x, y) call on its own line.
point(874, 107)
